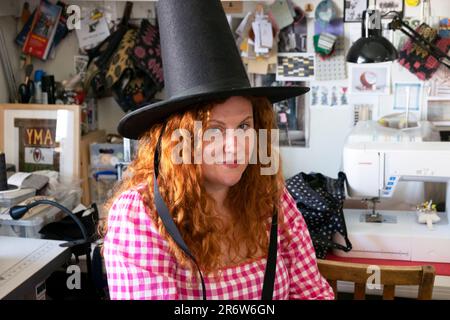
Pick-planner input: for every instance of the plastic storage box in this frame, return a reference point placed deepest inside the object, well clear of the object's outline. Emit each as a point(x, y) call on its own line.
point(102, 185)
point(105, 156)
point(29, 228)
point(13, 197)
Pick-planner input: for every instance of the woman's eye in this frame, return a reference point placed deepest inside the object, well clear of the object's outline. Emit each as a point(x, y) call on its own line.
point(244, 126)
point(215, 129)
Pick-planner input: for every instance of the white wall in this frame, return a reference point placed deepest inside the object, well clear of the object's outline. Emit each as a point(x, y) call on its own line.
point(328, 128)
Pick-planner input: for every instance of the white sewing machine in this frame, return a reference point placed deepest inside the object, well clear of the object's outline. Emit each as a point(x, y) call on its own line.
point(373, 170)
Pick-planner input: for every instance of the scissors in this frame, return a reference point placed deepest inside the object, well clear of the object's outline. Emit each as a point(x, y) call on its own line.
point(27, 89)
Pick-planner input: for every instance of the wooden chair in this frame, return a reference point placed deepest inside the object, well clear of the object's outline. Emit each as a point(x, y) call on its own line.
point(391, 276)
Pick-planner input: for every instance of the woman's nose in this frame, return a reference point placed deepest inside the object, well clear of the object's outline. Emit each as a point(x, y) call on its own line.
point(230, 143)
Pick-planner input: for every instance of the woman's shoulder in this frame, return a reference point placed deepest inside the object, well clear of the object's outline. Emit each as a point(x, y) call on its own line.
point(130, 205)
point(133, 234)
point(129, 198)
point(289, 207)
point(130, 217)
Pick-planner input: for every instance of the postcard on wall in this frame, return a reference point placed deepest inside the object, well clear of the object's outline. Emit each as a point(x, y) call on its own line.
point(371, 78)
point(295, 66)
point(328, 95)
point(353, 10)
point(334, 67)
point(386, 6)
point(94, 28)
point(407, 95)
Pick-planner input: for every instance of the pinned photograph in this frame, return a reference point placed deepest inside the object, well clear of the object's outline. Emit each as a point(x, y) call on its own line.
point(407, 95)
point(370, 79)
point(291, 116)
point(295, 66)
point(353, 10)
point(329, 95)
point(386, 6)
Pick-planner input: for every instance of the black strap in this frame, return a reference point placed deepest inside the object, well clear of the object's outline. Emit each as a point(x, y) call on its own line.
point(271, 266)
point(169, 224)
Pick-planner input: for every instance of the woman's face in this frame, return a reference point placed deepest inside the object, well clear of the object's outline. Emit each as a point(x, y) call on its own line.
point(229, 155)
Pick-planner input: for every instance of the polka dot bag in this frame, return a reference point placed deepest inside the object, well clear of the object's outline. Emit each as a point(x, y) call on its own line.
point(320, 199)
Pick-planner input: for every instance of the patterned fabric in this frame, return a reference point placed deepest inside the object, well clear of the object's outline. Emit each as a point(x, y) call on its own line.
point(321, 200)
point(417, 60)
point(99, 58)
point(133, 90)
point(140, 266)
point(121, 61)
point(147, 53)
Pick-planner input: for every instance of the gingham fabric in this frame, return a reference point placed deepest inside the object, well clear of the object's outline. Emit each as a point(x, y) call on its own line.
point(140, 266)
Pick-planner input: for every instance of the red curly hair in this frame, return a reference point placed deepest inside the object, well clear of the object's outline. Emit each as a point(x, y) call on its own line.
point(251, 200)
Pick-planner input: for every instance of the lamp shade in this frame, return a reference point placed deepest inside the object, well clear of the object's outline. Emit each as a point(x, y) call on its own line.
point(372, 49)
point(17, 212)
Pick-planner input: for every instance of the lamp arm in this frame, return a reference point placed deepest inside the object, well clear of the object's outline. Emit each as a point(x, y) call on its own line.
point(398, 24)
point(66, 211)
point(86, 242)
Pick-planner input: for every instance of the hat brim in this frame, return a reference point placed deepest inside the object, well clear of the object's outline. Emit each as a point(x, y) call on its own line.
point(135, 123)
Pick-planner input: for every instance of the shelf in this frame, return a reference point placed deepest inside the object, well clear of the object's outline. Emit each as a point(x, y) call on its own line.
point(437, 98)
point(441, 123)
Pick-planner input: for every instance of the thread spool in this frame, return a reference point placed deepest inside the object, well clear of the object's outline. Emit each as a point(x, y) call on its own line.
point(3, 179)
point(4, 186)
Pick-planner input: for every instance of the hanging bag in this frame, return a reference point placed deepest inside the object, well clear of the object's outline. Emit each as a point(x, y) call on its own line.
point(320, 199)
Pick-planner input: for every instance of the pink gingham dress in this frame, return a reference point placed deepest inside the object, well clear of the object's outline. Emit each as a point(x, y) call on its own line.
point(140, 266)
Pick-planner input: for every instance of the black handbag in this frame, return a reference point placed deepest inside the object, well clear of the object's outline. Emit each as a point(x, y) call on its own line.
point(320, 199)
point(67, 230)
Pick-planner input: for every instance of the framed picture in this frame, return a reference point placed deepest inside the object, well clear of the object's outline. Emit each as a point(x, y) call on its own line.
point(407, 94)
point(373, 78)
point(353, 10)
point(389, 5)
point(291, 115)
point(295, 66)
point(42, 137)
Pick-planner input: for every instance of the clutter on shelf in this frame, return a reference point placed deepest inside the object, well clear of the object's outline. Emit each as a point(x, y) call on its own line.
point(22, 188)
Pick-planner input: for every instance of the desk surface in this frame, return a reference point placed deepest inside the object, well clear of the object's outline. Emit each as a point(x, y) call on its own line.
point(22, 259)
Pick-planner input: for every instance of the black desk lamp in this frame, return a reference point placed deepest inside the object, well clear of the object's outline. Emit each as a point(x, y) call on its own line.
point(19, 211)
point(372, 47)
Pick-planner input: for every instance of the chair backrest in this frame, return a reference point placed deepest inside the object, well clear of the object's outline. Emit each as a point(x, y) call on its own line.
point(390, 276)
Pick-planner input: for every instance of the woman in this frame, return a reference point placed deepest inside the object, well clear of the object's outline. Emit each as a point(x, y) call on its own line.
point(223, 201)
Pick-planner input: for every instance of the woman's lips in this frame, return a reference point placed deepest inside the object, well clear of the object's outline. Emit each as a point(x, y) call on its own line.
point(231, 165)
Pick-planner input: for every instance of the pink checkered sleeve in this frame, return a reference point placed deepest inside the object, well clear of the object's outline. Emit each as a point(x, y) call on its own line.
point(305, 280)
point(137, 258)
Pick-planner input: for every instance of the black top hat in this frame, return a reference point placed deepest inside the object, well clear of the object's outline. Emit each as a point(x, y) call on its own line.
point(201, 62)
